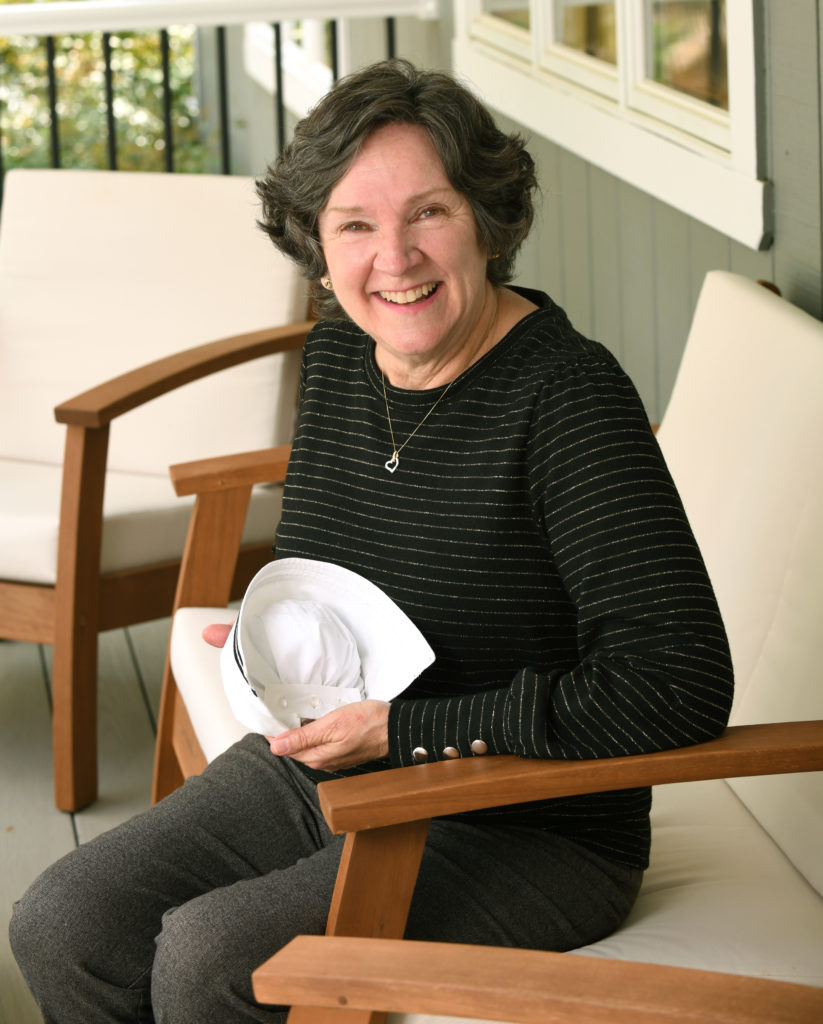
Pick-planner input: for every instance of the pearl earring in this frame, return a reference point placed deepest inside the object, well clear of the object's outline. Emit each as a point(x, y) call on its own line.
point(326, 282)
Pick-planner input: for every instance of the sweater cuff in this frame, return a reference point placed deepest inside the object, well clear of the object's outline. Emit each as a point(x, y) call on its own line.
point(440, 728)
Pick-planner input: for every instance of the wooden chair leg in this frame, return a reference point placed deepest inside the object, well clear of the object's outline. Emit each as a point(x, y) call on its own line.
point(74, 681)
point(376, 880)
point(74, 715)
point(167, 772)
point(327, 1015)
point(372, 896)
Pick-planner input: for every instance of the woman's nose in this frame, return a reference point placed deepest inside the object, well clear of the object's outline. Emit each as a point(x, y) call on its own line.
point(396, 252)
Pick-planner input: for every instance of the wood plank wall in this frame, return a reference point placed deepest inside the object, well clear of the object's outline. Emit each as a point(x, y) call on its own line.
point(628, 268)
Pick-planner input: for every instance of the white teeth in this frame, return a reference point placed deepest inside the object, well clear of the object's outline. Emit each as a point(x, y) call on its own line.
point(412, 295)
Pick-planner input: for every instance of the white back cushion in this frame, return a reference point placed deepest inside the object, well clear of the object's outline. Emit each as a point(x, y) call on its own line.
point(103, 271)
point(742, 437)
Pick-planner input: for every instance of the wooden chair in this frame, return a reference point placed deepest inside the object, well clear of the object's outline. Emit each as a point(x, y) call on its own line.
point(101, 272)
point(742, 894)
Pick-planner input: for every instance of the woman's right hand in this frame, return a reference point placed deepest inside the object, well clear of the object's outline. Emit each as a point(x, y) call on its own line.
point(217, 633)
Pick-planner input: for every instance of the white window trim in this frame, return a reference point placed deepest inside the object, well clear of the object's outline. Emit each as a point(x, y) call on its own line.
point(498, 32)
point(717, 185)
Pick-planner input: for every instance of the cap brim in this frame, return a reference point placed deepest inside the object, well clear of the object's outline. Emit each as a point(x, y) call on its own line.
point(393, 652)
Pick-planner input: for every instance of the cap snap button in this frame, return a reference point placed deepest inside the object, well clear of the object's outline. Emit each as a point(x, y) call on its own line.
point(451, 752)
point(420, 755)
point(479, 747)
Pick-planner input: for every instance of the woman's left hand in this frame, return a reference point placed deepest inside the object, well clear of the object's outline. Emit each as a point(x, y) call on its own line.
point(348, 736)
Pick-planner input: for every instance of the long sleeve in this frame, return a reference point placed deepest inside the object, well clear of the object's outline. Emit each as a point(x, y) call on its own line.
point(653, 669)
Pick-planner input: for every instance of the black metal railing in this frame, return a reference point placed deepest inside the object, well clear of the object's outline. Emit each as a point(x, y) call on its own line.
point(53, 88)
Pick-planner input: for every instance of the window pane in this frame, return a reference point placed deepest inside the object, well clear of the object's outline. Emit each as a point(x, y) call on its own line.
point(688, 48)
point(588, 27)
point(515, 12)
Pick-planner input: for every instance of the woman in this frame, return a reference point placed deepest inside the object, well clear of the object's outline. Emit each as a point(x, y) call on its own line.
point(463, 448)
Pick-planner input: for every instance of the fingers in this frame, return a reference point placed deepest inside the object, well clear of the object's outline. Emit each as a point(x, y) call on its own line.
point(342, 738)
point(288, 743)
point(217, 633)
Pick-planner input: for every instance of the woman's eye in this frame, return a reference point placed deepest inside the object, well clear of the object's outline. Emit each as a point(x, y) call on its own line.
point(430, 211)
point(354, 226)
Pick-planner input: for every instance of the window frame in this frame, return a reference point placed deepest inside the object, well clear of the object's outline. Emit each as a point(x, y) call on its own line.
point(642, 132)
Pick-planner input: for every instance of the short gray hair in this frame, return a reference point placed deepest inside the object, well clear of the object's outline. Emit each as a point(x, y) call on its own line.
point(493, 170)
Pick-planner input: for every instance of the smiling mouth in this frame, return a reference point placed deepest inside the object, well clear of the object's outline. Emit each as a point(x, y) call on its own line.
point(410, 295)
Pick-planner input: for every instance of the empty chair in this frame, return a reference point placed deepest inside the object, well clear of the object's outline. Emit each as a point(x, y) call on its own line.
point(101, 273)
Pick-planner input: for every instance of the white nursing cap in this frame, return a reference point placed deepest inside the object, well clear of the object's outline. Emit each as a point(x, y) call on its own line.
point(311, 636)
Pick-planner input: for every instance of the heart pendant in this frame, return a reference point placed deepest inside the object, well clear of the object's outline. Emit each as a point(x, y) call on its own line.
point(392, 464)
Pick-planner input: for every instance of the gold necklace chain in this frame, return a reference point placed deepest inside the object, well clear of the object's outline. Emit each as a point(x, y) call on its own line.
point(392, 463)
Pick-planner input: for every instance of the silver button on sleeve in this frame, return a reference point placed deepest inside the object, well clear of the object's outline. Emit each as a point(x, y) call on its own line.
point(420, 755)
point(451, 752)
point(479, 747)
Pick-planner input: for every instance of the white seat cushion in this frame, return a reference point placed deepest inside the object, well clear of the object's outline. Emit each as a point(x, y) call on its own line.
point(145, 521)
point(196, 669)
point(719, 894)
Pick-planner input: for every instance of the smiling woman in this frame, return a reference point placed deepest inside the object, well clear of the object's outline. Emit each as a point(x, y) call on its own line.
point(462, 448)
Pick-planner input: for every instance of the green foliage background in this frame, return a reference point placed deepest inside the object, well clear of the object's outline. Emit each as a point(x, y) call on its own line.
point(81, 101)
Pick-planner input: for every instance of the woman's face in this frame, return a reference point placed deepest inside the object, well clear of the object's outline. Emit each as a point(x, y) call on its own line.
point(404, 259)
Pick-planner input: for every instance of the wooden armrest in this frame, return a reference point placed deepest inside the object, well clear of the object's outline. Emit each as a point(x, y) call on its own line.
point(101, 404)
point(449, 787)
point(268, 465)
point(523, 985)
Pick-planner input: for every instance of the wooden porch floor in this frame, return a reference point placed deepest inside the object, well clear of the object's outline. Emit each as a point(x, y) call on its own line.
point(32, 832)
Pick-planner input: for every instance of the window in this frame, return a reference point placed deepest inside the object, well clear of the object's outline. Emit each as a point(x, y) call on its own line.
point(579, 42)
point(679, 68)
point(661, 93)
point(686, 48)
point(587, 28)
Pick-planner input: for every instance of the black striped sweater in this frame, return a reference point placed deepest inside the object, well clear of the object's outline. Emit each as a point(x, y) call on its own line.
point(534, 535)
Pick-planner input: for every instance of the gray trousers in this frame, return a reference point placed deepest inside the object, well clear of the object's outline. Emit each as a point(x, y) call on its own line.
point(165, 917)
